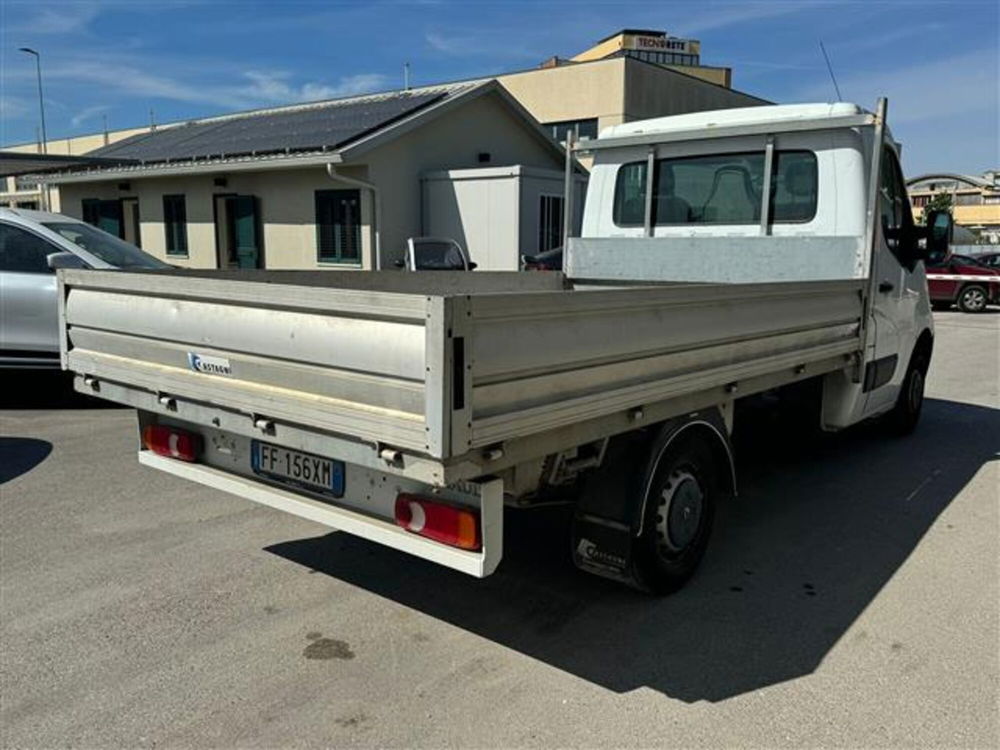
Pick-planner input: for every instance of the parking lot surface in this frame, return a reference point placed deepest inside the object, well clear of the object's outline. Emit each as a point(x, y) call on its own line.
point(849, 598)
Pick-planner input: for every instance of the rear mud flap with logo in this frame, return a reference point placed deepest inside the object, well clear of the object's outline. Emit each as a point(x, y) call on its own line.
point(603, 547)
point(606, 523)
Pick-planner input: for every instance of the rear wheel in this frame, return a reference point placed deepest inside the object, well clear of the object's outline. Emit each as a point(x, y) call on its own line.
point(972, 299)
point(678, 518)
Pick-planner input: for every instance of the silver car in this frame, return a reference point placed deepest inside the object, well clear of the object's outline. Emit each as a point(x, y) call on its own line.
point(32, 245)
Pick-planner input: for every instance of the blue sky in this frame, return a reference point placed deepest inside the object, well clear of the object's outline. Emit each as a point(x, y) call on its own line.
point(937, 61)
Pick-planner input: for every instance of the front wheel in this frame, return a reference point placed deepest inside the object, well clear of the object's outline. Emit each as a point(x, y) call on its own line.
point(972, 299)
point(678, 518)
point(906, 413)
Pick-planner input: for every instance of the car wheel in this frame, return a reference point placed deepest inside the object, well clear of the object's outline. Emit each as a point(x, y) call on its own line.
point(972, 299)
point(905, 414)
point(678, 519)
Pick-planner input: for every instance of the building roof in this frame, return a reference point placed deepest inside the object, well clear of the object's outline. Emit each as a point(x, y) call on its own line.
point(17, 163)
point(764, 114)
point(971, 180)
point(284, 130)
point(330, 132)
point(633, 32)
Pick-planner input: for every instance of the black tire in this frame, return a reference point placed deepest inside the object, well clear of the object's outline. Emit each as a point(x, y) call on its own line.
point(972, 299)
point(905, 414)
point(678, 518)
point(940, 306)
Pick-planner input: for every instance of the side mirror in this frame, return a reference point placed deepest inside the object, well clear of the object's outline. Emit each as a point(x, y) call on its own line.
point(939, 230)
point(472, 265)
point(64, 260)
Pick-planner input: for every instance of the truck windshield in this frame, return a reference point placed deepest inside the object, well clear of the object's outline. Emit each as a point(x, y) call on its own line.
point(718, 189)
point(107, 247)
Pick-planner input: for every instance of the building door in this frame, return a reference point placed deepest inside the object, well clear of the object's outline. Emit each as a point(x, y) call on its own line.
point(237, 231)
point(244, 211)
point(130, 221)
point(104, 214)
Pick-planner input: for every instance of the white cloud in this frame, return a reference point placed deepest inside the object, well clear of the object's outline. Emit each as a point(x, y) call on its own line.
point(66, 18)
point(88, 113)
point(275, 87)
point(943, 111)
point(234, 90)
point(475, 43)
point(718, 15)
point(13, 106)
point(954, 86)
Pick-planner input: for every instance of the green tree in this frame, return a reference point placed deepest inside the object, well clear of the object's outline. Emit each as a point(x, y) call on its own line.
point(940, 202)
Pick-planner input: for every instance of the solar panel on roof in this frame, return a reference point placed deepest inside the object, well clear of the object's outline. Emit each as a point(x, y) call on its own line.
point(312, 128)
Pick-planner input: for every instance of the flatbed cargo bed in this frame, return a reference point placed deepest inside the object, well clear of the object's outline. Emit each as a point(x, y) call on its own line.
point(443, 376)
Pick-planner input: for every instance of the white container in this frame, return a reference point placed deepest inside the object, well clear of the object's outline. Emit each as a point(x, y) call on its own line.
point(498, 213)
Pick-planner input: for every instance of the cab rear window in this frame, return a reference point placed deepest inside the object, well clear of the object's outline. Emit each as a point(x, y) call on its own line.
point(718, 189)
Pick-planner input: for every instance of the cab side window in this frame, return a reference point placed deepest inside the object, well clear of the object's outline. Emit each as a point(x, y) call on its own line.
point(23, 252)
point(894, 208)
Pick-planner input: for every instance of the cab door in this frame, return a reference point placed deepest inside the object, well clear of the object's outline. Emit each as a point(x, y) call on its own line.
point(898, 287)
point(29, 310)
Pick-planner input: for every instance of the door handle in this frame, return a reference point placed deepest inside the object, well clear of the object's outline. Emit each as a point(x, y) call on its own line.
point(885, 286)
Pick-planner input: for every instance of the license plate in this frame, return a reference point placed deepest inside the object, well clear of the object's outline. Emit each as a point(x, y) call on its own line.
point(297, 468)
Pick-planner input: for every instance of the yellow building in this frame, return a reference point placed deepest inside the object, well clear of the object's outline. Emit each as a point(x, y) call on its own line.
point(659, 48)
point(975, 200)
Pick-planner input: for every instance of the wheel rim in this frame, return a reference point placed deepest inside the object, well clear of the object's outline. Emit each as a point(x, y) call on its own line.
point(915, 395)
point(974, 299)
point(679, 514)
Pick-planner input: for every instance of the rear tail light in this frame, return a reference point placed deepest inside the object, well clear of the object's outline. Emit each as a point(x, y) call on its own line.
point(456, 527)
point(172, 442)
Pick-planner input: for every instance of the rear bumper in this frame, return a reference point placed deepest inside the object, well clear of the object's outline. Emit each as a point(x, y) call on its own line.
point(479, 564)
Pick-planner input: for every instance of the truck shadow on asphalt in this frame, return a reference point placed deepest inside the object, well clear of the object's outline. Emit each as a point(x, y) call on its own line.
point(45, 389)
point(19, 455)
point(819, 528)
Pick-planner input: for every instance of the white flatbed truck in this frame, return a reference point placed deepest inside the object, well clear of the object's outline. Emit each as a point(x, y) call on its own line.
point(722, 255)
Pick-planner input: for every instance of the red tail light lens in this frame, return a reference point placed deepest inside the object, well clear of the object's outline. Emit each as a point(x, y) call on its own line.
point(456, 527)
point(172, 442)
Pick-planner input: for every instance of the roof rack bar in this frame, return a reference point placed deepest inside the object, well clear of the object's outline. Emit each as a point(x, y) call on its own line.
point(728, 131)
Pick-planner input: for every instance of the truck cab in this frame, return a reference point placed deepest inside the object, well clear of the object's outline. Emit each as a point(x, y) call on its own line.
point(780, 193)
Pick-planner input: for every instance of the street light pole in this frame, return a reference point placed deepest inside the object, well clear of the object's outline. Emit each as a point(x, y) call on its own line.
point(41, 101)
point(41, 110)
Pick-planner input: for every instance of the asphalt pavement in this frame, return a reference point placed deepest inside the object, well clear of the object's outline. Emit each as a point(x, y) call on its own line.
point(849, 598)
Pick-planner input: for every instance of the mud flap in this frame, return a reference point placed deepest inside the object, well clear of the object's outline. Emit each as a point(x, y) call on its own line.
point(606, 520)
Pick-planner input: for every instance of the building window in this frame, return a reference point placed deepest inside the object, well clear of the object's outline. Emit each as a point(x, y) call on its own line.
point(550, 211)
point(338, 226)
point(968, 199)
point(175, 224)
point(25, 183)
point(718, 189)
point(919, 201)
point(580, 128)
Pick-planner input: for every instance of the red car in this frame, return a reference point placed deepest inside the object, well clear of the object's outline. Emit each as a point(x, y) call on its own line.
point(962, 281)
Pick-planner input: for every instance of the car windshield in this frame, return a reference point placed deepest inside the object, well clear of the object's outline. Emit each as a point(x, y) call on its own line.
point(108, 248)
point(968, 260)
point(433, 255)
